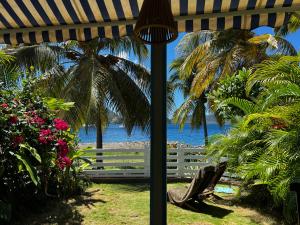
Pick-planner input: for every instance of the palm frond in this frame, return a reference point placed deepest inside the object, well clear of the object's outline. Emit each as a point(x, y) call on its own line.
point(246, 106)
point(181, 115)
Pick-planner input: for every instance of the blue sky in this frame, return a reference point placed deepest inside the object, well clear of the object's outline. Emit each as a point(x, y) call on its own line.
point(294, 38)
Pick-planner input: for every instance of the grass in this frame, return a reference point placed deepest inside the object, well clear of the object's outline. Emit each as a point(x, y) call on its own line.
point(118, 204)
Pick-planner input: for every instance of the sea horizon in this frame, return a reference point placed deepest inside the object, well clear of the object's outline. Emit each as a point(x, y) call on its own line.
point(115, 133)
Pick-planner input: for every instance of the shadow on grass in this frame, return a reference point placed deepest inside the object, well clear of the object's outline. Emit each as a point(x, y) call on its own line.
point(212, 210)
point(56, 211)
point(134, 187)
point(259, 198)
point(86, 199)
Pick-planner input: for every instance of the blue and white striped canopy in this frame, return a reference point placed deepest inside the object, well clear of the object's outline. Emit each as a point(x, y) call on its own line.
point(36, 21)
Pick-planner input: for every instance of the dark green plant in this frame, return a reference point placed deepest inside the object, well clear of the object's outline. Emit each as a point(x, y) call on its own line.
point(264, 146)
point(38, 151)
point(233, 86)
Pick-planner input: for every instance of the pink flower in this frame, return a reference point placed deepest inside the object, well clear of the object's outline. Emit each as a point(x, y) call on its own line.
point(67, 161)
point(62, 162)
point(4, 105)
point(13, 119)
point(63, 147)
point(60, 124)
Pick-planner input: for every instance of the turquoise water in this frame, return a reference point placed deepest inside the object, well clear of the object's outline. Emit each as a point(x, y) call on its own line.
point(115, 133)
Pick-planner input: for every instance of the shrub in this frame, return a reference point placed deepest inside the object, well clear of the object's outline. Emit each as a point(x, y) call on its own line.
point(37, 150)
point(264, 146)
point(229, 87)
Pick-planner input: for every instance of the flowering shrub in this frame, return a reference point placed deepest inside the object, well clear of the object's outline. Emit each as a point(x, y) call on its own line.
point(37, 149)
point(27, 123)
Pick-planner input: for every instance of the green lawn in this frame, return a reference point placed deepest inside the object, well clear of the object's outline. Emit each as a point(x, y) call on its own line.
point(117, 204)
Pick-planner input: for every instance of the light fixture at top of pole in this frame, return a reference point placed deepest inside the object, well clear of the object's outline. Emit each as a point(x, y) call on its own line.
point(156, 23)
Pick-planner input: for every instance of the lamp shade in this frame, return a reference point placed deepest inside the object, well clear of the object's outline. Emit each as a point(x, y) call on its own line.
point(156, 23)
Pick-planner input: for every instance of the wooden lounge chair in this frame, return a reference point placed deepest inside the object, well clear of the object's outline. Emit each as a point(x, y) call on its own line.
point(201, 187)
point(209, 191)
point(182, 196)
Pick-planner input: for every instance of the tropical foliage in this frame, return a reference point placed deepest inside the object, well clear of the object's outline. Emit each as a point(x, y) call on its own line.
point(9, 73)
point(232, 86)
point(37, 149)
point(97, 79)
point(209, 56)
point(292, 26)
point(263, 147)
point(206, 57)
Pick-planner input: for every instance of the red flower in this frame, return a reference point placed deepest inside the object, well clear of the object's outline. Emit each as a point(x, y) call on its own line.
point(60, 124)
point(67, 161)
point(62, 162)
point(45, 132)
point(4, 105)
point(63, 147)
point(37, 120)
point(13, 119)
point(45, 136)
point(18, 140)
point(42, 140)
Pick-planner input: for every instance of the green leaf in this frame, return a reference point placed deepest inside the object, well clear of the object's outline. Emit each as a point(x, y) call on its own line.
point(32, 150)
point(58, 104)
point(30, 169)
point(265, 38)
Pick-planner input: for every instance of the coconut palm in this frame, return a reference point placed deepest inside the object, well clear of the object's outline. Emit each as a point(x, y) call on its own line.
point(292, 26)
point(96, 79)
point(192, 107)
point(208, 56)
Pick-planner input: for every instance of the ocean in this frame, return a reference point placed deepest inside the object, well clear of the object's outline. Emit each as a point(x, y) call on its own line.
point(117, 133)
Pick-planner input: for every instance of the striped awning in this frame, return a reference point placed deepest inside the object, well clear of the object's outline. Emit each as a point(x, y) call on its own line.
point(36, 21)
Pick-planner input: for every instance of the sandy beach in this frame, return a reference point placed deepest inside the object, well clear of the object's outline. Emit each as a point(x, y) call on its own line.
point(129, 145)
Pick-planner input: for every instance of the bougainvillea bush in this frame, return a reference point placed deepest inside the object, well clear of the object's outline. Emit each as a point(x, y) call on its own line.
point(38, 151)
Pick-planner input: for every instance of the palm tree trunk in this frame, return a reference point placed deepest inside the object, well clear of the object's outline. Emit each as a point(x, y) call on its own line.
point(99, 137)
point(99, 141)
point(204, 124)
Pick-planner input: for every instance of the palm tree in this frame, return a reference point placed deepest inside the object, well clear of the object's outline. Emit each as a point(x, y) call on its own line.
point(96, 79)
point(207, 56)
point(292, 26)
point(192, 106)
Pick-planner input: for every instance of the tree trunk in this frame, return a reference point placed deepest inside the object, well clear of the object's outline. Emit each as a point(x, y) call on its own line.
point(204, 123)
point(99, 141)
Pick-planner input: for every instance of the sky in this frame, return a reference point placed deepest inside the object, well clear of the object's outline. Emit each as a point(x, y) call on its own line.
point(294, 38)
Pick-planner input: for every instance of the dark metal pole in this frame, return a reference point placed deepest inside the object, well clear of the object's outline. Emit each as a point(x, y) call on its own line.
point(158, 185)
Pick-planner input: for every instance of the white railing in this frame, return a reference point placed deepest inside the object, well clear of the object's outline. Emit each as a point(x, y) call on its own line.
point(182, 162)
